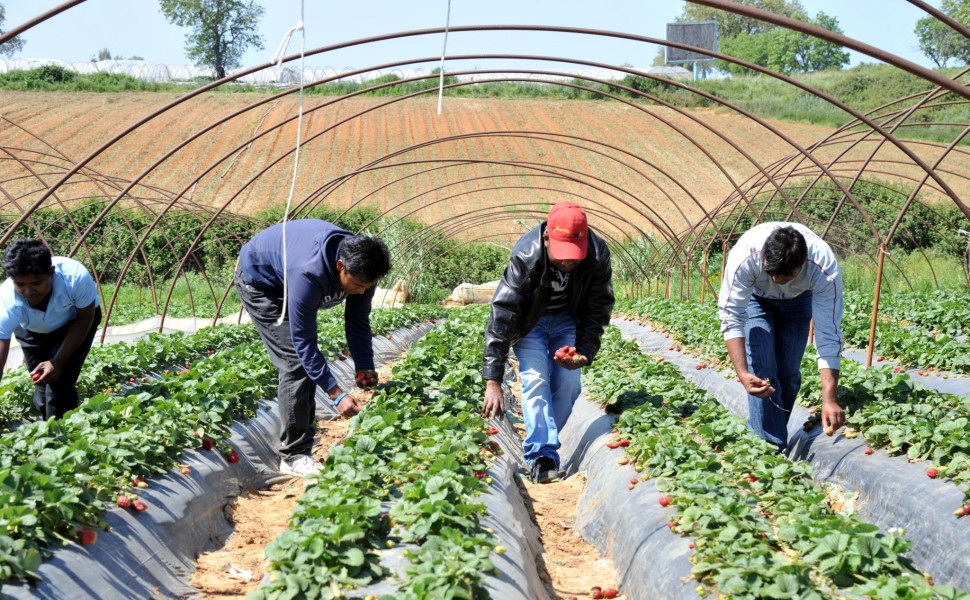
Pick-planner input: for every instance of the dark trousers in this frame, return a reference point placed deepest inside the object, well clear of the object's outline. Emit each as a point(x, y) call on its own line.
point(776, 334)
point(54, 399)
point(296, 390)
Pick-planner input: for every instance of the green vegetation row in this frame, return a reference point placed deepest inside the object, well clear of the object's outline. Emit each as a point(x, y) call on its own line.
point(890, 410)
point(761, 528)
point(420, 446)
point(59, 476)
point(865, 88)
point(110, 366)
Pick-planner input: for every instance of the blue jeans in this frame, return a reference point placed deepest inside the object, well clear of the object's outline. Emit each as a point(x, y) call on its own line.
point(548, 390)
point(775, 335)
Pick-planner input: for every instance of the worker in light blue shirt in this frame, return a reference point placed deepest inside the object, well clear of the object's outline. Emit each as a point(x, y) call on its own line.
point(51, 304)
point(318, 266)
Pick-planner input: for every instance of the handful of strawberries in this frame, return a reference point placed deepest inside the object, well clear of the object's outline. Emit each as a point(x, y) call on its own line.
point(567, 357)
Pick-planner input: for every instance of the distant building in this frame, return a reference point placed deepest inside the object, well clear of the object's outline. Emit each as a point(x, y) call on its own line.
point(671, 72)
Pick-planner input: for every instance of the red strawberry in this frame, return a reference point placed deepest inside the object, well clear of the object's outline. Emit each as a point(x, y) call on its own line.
point(131, 380)
point(610, 593)
point(623, 443)
point(596, 593)
point(35, 376)
point(123, 501)
point(751, 478)
point(879, 359)
point(492, 430)
point(88, 537)
point(932, 472)
point(612, 444)
point(207, 443)
point(186, 470)
point(135, 481)
point(480, 474)
point(634, 481)
point(232, 457)
point(963, 510)
point(614, 430)
point(664, 501)
point(868, 451)
point(138, 505)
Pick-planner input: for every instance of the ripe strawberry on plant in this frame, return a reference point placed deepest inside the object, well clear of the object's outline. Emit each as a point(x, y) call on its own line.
point(232, 457)
point(932, 472)
point(88, 537)
point(663, 500)
point(123, 501)
point(138, 505)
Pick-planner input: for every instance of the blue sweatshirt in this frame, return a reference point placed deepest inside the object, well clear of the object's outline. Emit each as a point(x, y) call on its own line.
point(312, 284)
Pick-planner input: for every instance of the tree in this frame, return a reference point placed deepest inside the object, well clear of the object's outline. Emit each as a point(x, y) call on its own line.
point(938, 41)
point(103, 54)
point(222, 30)
point(770, 46)
point(730, 25)
point(9, 47)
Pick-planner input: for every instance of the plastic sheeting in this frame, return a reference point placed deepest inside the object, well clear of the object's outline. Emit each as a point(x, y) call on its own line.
point(892, 492)
point(152, 554)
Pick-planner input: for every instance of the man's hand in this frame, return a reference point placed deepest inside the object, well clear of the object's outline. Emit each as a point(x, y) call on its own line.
point(575, 361)
point(756, 386)
point(494, 404)
point(366, 378)
point(44, 373)
point(349, 406)
point(832, 415)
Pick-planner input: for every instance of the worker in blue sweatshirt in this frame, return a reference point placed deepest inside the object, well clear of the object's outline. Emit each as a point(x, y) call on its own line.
point(325, 265)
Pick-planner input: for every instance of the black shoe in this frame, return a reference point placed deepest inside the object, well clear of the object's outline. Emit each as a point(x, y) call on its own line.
point(544, 470)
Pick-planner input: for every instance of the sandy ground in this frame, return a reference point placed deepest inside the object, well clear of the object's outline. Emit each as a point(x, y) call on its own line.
point(569, 567)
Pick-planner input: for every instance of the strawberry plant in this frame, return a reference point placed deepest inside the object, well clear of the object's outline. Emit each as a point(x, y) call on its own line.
point(418, 446)
point(762, 527)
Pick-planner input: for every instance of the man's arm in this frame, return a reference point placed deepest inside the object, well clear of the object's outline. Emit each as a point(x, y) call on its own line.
point(832, 414)
point(753, 384)
point(599, 309)
point(304, 297)
point(506, 311)
point(77, 330)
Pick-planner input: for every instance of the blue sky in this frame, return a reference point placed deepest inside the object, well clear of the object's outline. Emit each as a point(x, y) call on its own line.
point(128, 27)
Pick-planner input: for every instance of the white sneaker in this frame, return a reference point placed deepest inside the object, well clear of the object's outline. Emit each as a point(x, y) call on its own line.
point(301, 465)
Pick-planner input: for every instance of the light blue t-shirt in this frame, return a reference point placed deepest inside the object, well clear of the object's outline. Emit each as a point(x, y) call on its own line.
point(72, 288)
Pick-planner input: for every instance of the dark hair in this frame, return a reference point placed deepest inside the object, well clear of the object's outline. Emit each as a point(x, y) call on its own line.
point(784, 251)
point(365, 257)
point(27, 257)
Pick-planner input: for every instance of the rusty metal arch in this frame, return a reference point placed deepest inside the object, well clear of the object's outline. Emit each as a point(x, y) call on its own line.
point(803, 154)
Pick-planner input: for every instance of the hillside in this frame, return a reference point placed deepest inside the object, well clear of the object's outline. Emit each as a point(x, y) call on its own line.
point(479, 153)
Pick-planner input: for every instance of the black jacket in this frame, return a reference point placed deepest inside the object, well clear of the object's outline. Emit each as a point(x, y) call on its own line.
point(524, 291)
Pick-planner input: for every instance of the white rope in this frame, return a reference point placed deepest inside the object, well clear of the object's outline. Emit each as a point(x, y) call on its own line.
point(278, 59)
point(441, 69)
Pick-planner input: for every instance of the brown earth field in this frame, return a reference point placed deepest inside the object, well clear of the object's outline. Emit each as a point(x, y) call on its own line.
point(480, 166)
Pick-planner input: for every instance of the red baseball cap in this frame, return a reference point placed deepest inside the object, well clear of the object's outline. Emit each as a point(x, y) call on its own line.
point(568, 231)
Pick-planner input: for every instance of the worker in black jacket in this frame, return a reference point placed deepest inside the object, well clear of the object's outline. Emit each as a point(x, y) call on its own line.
point(556, 291)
